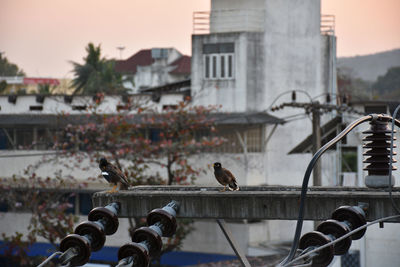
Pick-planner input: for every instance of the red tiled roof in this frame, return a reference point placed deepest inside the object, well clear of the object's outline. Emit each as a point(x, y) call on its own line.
point(141, 58)
point(182, 65)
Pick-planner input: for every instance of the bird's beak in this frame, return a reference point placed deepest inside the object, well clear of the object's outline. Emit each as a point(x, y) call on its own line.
point(213, 165)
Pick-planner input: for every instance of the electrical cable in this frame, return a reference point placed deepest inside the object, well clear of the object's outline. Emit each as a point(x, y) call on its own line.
point(307, 178)
point(287, 92)
point(303, 265)
point(341, 238)
point(311, 166)
point(49, 258)
point(391, 162)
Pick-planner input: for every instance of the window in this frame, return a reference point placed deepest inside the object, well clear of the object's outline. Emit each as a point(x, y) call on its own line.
point(378, 109)
point(218, 61)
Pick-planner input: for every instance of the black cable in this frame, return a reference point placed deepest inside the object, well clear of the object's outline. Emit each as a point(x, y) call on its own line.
point(341, 238)
point(307, 178)
point(287, 92)
point(311, 166)
point(391, 161)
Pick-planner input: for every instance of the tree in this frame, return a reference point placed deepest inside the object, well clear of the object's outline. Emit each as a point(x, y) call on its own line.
point(97, 74)
point(144, 143)
point(9, 69)
point(353, 88)
point(48, 208)
point(388, 85)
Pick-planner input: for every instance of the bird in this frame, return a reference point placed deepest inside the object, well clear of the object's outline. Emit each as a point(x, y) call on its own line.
point(113, 175)
point(225, 177)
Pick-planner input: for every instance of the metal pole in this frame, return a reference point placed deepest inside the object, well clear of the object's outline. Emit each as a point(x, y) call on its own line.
point(232, 242)
point(316, 130)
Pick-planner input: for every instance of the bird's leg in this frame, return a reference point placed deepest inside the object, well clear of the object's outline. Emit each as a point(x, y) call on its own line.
point(223, 190)
point(113, 189)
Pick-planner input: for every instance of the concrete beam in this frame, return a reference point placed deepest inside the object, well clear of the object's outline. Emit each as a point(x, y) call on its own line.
point(251, 202)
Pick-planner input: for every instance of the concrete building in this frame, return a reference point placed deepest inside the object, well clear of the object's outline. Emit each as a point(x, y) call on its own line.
point(252, 55)
point(254, 52)
point(154, 67)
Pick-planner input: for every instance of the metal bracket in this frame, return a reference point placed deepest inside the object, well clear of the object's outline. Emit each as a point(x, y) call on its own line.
point(232, 242)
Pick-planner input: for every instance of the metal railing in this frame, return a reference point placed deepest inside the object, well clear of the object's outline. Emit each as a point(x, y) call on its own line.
point(202, 20)
point(327, 24)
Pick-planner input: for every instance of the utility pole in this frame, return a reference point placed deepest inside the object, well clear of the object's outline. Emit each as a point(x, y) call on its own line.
point(316, 144)
point(316, 109)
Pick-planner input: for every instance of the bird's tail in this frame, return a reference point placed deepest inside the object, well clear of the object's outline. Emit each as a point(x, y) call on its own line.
point(124, 185)
point(233, 186)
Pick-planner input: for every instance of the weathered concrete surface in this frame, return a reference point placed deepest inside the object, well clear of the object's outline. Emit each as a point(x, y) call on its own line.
point(251, 202)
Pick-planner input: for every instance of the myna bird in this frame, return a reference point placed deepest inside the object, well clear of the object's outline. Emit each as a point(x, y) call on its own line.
point(225, 177)
point(113, 175)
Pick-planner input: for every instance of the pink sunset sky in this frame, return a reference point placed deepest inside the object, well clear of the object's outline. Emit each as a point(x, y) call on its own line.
point(42, 36)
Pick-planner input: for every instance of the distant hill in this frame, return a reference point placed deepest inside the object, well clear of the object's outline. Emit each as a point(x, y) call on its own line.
point(369, 67)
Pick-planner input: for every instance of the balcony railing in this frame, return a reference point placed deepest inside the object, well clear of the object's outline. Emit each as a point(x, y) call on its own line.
point(328, 24)
point(205, 22)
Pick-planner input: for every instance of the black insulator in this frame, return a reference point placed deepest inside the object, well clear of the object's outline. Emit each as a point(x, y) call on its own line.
point(294, 96)
point(377, 144)
point(316, 239)
point(344, 99)
point(82, 246)
point(328, 98)
point(107, 216)
point(166, 216)
point(146, 241)
point(152, 236)
point(95, 230)
point(336, 229)
point(353, 216)
point(134, 252)
point(90, 235)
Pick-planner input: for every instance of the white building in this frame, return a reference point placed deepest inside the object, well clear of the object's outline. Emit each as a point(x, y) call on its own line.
point(255, 52)
point(154, 67)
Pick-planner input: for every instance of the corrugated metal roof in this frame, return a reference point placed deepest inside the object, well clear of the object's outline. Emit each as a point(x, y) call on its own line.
point(19, 120)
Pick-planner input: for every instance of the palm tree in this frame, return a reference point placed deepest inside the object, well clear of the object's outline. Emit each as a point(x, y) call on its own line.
point(96, 74)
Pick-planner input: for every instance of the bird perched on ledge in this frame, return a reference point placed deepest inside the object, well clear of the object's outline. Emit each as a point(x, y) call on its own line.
point(113, 175)
point(225, 177)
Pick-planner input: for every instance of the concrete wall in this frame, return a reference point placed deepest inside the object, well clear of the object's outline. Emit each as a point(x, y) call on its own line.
point(236, 15)
point(57, 105)
point(233, 94)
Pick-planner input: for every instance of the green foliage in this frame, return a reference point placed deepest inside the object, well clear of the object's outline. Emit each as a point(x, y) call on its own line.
point(349, 161)
point(353, 88)
point(45, 89)
point(389, 84)
point(97, 74)
point(3, 86)
point(9, 69)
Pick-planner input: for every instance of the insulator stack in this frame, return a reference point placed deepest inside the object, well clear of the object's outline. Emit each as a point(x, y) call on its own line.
point(90, 235)
point(377, 145)
point(147, 240)
point(343, 220)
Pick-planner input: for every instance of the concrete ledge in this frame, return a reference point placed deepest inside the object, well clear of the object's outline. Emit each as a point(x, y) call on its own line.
point(251, 202)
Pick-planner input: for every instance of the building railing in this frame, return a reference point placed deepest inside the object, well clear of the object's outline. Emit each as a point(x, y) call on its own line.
point(201, 22)
point(205, 22)
point(327, 24)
